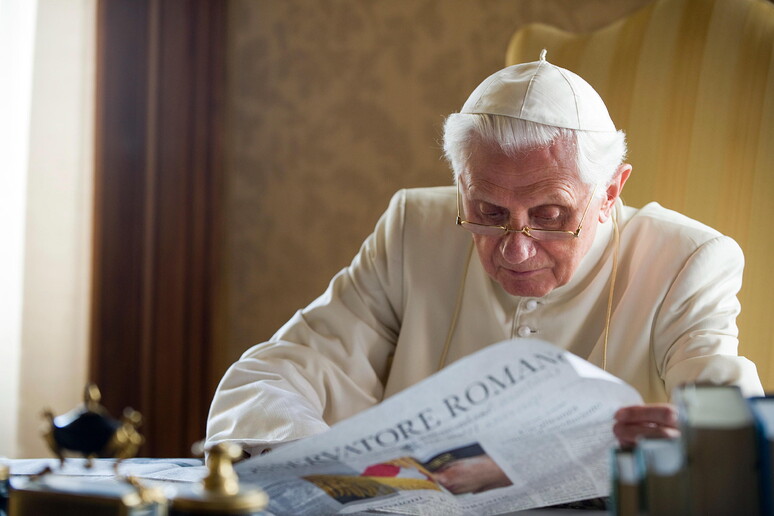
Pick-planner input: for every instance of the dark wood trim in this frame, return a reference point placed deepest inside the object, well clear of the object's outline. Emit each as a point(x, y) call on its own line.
point(160, 82)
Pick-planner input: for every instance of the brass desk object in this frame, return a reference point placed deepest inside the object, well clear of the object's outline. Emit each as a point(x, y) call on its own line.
point(5, 475)
point(220, 492)
point(73, 496)
point(87, 431)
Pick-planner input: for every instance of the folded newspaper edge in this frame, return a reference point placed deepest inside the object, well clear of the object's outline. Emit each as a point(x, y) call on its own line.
point(517, 425)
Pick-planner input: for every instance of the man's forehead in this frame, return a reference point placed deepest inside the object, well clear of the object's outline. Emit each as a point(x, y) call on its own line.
point(559, 156)
point(535, 171)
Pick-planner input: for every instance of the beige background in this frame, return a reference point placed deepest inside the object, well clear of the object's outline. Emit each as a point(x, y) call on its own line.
point(332, 106)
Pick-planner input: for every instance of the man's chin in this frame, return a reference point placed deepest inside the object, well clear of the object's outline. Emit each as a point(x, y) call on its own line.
point(526, 287)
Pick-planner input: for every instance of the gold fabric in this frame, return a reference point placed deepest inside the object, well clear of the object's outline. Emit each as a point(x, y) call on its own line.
point(692, 84)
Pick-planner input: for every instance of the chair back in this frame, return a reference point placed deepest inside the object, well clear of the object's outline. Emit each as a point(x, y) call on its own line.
point(692, 84)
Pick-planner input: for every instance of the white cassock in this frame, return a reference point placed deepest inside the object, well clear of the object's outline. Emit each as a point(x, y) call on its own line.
point(416, 297)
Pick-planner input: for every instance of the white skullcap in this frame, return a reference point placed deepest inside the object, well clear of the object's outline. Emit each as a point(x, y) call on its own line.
point(543, 93)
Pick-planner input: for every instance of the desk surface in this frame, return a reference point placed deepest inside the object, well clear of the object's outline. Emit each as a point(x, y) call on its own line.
point(174, 472)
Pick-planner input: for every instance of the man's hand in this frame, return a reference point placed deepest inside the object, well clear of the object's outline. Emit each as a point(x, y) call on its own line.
point(656, 420)
point(471, 475)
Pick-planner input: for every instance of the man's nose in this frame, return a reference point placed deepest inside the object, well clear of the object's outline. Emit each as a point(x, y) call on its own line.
point(517, 247)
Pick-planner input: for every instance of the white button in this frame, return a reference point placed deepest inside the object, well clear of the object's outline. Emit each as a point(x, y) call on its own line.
point(524, 331)
point(531, 305)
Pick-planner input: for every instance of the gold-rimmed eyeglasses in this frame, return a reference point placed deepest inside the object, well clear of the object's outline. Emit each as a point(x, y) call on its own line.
point(537, 234)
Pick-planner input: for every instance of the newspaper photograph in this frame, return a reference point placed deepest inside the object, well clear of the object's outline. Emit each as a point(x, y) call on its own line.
point(518, 425)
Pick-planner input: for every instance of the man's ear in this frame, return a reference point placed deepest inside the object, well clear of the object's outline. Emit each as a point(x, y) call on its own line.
point(613, 191)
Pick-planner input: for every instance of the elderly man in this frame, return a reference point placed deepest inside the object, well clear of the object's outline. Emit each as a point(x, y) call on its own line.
point(648, 294)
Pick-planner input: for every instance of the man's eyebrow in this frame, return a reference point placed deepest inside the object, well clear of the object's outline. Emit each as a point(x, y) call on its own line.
point(563, 200)
point(554, 198)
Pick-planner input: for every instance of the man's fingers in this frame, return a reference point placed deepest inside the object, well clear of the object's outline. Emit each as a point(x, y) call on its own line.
point(655, 421)
point(658, 414)
point(627, 434)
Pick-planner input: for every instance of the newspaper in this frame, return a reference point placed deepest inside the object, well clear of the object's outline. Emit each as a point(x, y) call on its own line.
point(517, 425)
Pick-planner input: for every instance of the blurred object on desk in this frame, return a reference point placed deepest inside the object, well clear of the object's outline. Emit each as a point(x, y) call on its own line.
point(90, 432)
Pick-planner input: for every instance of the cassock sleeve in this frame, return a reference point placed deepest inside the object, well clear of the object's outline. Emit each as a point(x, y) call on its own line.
point(695, 332)
point(329, 361)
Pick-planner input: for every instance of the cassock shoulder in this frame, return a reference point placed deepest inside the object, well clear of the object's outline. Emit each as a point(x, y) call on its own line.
point(664, 230)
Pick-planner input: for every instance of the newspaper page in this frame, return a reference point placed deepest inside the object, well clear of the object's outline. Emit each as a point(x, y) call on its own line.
point(517, 425)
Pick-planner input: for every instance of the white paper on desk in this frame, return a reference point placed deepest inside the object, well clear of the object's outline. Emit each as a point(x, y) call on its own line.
point(79, 467)
point(541, 414)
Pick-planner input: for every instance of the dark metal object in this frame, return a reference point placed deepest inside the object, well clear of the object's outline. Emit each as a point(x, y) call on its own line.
point(89, 431)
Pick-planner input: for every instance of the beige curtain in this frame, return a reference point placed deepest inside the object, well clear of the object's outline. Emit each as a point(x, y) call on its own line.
point(44, 365)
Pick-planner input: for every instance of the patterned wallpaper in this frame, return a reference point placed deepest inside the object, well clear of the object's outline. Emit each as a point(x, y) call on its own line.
point(332, 106)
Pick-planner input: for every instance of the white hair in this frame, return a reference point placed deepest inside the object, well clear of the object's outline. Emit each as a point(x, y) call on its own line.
point(598, 155)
